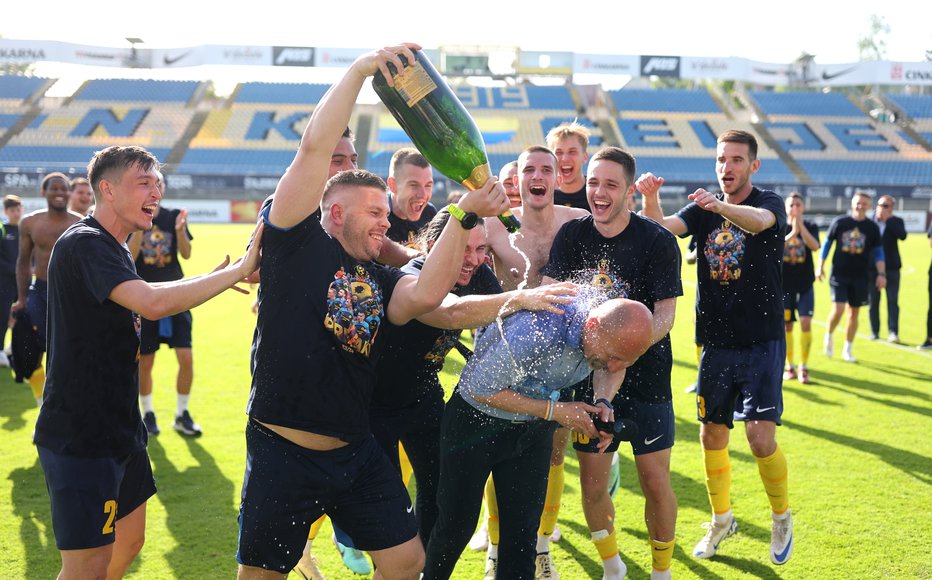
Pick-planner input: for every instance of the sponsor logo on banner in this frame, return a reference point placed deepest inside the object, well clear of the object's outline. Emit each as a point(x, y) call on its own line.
point(293, 56)
point(827, 76)
point(661, 66)
point(20, 180)
point(918, 75)
point(173, 59)
point(896, 72)
point(263, 183)
point(22, 54)
point(708, 65)
point(179, 181)
point(336, 57)
point(244, 55)
point(820, 191)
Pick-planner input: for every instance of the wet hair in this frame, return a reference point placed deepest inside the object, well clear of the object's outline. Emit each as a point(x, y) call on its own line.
point(348, 134)
point(12, 201)
point(735, 136)
point(54, 175)
point(537, 149)
point(409, 156)
point(351, 178)
point(571, 129)
point(621, 157)
point(431, 232)
point(79, 181)
point(118, 158)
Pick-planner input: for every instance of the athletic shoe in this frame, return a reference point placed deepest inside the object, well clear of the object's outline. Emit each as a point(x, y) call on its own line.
point(804, 375)
point(789, 374)
point(708, 546)
point(691, 388)
point(309, 568)
point(4, 359)
point(185, 425)
point(544, 568)
point(781, 539)
point(927, 345)
point(828, 345)
point(848, 354)
point(614, 477)
point(491, 568)
point(149, 421)
point(892, 337)
point(873, 336)
point(657, 575)
point(353, 559)
point(556, 536)
point(480, 540)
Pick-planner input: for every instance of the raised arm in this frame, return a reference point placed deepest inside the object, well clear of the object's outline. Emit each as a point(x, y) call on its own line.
point(181, 234)
point(750, 219)
point(301, 188)
point(649, 185)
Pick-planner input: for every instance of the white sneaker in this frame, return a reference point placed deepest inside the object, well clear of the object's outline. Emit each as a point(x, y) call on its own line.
point(848, 355)
point(491, 568)
point(544, 569)
point(480, 540)
point(892, 337)
point(309, 568)
point(828, 345)
point(708, 546)
point(781, 539)
point(556, 536)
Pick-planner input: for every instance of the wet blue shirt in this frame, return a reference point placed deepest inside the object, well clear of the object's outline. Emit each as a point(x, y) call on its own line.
point(532, 353)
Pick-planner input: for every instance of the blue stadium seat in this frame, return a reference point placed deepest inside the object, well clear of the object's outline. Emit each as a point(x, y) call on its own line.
point(281, 93)
point(138, 90)
point(19, 87)
point(667, 100)
point(806, 104)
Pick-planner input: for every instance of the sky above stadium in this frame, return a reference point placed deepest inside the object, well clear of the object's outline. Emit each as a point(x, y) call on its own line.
point(776, 32)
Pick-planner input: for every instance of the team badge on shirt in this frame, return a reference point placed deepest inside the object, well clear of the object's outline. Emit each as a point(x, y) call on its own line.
point(724, 250)
point(354, 310)
point(156, 249)
point(794, 251)
point(853, 241)
point(606, 282)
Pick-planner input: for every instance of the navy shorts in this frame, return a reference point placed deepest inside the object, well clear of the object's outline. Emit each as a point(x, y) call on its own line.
point(175, 331)
point(287, 487)
point(90, 494)
point(801, 302)
point(748, 379)
point(850, 290)
point(655, 427)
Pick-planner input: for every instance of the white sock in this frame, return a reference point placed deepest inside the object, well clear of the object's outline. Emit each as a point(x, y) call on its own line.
point(722, 519)
point(780, 517)
point(543, 544)
point(848, 346)
point(492, 552)
point(146, 402)
point(182, 404)
point(38, 401)
point(614, 567)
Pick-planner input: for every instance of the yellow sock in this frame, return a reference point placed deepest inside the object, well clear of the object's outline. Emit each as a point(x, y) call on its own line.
point(37, 381)
point(491, 508)
point(698, 353)
point(718, 479)
point(606, 544)
point(789, 348)
point(773, 472)
point(315, 527)
point(548, 519)
point(661, 554)
point(805, 342)
point(406, 469)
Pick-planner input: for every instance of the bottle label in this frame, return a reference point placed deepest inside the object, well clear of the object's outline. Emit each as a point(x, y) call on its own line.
point(413, 84)
point(477, 177)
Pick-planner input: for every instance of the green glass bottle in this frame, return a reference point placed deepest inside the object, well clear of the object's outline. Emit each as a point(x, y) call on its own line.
point(438, 124)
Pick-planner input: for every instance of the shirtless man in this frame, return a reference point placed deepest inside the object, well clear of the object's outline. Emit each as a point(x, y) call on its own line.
point(540, 221)
point(38, 232)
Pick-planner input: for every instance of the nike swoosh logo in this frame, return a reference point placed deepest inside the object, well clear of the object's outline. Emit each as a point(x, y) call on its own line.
point(649, 441)
point(409, 508)
point(759, 410)
point(172, 60)
point(827, 77)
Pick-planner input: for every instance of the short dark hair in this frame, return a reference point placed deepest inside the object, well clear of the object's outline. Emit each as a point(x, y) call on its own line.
point(430, 232)
point(54, 175)
point(407, 156)
point(621, 157)
point(79, 181)
point(12, 201)
point(736, 136)
point(118, 158)
point(352, 177)
point(537, 149)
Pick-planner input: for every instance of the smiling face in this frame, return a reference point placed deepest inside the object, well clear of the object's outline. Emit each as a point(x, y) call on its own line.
point(507, 178)
point(607, 191)
point(135, 196)
point(57, 192)
point(537, 178)
point(734, 167)
point(411, 187)
point(81, 198)
point(860, 205)
point(571, 157)
point(343, 157)
point(365, 221)
point(474, 256)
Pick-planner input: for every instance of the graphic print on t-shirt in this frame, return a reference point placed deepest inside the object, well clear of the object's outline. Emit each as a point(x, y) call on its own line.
point(354, 310)
point(442, 346)
point(853, 241)
point(724, 249)
point(605, 281)
point(156, 247)
point(794, 251)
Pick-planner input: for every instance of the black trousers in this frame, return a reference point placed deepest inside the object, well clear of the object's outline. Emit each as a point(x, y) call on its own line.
point(893, 302)
point(472, 446)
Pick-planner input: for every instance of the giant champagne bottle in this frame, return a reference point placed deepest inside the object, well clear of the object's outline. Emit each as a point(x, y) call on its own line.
point(438, 124)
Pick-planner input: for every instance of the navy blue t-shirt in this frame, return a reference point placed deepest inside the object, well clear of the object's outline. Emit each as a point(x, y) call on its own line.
point(90, 406)
point(577, 199)
point(798, 270)
point(415, 352)
point(739, 298)
point(158, 252)
point(641, 263)
point(405, 231)
point(855, 242)
point(319, 332)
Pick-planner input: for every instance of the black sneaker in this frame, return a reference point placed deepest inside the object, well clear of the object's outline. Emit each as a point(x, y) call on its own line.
point(149, 421)
point(185, 425)
point(927, 345)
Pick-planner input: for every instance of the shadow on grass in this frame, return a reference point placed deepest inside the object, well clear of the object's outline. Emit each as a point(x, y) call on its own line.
point(914, 464)
point(30, 503)
point(897, 370)
point(809, 393)
point(864, 389)
point(15, 401)
point(199, 513)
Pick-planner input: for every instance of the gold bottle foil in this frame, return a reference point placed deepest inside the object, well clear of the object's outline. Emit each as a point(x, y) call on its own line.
point(478, 177)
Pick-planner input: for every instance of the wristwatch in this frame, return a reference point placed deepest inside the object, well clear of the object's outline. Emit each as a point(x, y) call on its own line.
point(466, 218)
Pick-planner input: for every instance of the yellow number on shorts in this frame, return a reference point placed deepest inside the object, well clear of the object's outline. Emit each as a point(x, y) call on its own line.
point(110, 508)
point(580, 438)
point(700, 402)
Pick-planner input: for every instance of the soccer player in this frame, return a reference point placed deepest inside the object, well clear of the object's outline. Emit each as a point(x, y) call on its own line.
point(892, 231)
point(82, 198)
point(9, 250)
point(624, 255)
point(156, 252)
point(802, 238)
point(309, 447)
point(492, 423)
point(739, 322)
point(411, 183)
point(38, 232)
point(570, 143)
point(859, 243)
point(89, 435)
